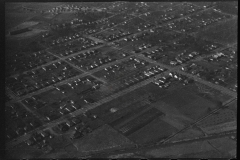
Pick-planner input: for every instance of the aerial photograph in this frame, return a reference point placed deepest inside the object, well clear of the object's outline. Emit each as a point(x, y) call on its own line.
point(121, 79)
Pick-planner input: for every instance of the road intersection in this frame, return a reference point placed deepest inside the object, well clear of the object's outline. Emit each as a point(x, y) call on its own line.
point(118, 94)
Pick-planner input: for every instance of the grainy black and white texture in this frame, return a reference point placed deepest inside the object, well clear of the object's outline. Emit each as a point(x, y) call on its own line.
point(120, 79)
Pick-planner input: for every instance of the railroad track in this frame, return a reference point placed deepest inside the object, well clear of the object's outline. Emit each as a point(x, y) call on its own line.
point(197, 121)
point(137, 148)
point(77, 68)
point(105, 100)
point(82, 110)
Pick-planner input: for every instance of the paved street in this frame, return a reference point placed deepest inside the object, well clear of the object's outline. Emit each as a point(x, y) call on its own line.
point(88, 107)
point(123, 92)
point(77, 68)
point(67, 80)
point(197, 121)
point(177, 69)
point(147, 147)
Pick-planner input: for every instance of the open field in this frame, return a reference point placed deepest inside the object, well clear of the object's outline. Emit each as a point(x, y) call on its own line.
point(42, 6)
point(178, 150)
point(220, 117)
point(233, 107)
point(193, 106)
point(23, 151)
point(224, 32)
point(14, 15)
point(63, 18)
point(207, 93)
point(28, 34)
point(228, 7)
point(154, 131)
point(126, 155)
point(25, 25)
point(202, 3)
point(223, 127)
point(125, 100)
point(206, 155)
point(103, 138)
point(13, 6)
point(10, 42)
point(121, 79)
point(123, 114)
point(59, 142)
point(44, 18)
point(61, 153)
point(155, 6)
point(14, 19)
point(225, 145)
point(188, 134)
point(140, 121)
point(173, 116)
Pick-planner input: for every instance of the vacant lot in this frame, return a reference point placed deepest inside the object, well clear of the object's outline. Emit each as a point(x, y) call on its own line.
point(43, 6)
point(140, 121)
point(233, 107)
point(156, 91)
point(188, 134)
point(201, 4)
point(120, 116)
point(206, 155)
point(25, 25)
point(125, 100)
point(207, 92)
point(222, 116)
point(28, 34)
point(9, 43)
point(59, 142)
point(154, 131)
point(225, 145)
point(22, 151)
point(223, 127)
point(173, 116)
point(64, 17)
point(44, 18)
point(14, 18)
point(188, 103)
point(230, 7)
point(14, 15)
point(60, 153)
point(101, 139)
point(178, 150)
point(225, 32)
